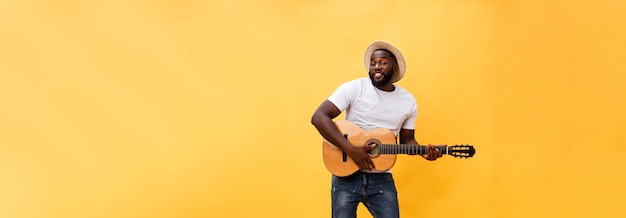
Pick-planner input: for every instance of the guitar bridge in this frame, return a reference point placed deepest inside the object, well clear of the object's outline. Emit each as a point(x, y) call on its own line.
point(343, 154)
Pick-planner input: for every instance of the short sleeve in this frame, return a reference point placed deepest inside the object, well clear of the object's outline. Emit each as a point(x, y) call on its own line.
point(345, 95)
point(409, 123)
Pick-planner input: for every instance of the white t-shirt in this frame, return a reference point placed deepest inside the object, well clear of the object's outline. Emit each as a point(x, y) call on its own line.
point(369, 107)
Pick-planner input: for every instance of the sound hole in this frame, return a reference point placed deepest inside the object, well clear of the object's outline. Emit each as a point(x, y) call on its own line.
point(376, 150)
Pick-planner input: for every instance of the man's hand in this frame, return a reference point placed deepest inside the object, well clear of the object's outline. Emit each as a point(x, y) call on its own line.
point(361, 158)
point(433, 153)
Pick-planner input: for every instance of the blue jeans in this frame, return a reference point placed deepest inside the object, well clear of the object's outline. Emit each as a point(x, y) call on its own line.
point(377, 191)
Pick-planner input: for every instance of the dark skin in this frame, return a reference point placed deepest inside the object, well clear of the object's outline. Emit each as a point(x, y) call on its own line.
point(381, 68)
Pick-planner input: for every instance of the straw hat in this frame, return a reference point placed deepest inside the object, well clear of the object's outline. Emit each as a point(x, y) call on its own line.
point(398, 74)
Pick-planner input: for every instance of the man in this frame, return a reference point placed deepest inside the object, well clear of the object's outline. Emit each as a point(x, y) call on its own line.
point(370, 103)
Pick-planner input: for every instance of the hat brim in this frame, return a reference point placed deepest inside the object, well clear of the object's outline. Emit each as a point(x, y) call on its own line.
point(376, 45)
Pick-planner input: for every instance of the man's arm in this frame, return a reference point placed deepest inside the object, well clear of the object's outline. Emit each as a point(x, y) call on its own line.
point(407, 136)
point(323, 120)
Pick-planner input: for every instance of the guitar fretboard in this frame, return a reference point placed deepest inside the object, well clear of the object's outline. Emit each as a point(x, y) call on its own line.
point(408, 149)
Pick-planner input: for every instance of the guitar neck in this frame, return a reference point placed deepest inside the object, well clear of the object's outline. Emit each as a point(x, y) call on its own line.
point(408, 149)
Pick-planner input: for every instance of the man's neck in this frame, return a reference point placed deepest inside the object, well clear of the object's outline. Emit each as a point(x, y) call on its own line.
point(387, 88)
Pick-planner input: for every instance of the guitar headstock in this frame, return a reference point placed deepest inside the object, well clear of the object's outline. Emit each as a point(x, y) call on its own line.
point(462, 151)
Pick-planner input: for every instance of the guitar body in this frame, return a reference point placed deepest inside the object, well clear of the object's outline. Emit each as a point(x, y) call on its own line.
point(340, 164)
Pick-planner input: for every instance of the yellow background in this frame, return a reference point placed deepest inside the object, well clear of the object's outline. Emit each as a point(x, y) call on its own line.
point(202, 108)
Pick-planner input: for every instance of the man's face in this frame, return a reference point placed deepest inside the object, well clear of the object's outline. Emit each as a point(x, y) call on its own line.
point(382, 67)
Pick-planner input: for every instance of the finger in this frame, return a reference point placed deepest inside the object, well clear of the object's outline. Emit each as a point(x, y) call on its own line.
point(362, 166)
point(370, 147)
point(436, 153)
point(439, 154)
point(431, 152)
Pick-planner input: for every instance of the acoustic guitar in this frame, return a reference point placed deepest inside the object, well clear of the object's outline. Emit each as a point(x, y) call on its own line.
point(383, 154)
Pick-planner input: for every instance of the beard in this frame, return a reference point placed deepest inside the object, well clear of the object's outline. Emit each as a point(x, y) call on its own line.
point(386, 79)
